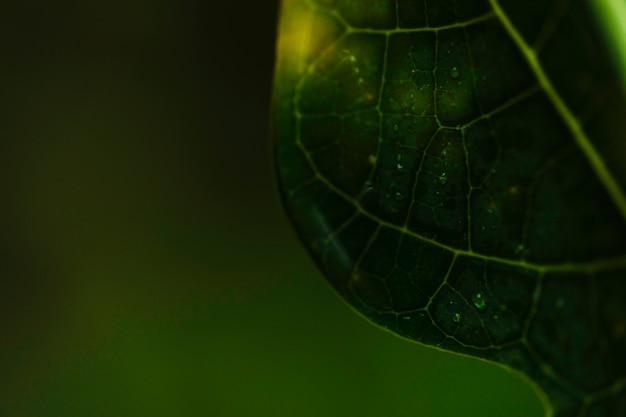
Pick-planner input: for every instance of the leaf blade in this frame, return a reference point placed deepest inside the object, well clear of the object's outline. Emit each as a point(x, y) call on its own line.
point(451, 143)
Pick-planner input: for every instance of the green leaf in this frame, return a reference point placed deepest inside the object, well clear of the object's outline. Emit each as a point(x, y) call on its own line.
point(457, 170)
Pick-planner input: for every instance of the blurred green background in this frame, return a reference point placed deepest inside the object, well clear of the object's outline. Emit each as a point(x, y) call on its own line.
point(147, 267)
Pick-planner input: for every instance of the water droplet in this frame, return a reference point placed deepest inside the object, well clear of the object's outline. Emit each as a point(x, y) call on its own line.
point(457, 317)
point(454, 73)
point(398, 196)
point(479, 300)
point(443, 179)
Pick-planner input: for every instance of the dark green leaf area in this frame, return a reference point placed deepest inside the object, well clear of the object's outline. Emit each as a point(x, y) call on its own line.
point(426, 264)
point(608, 123)
point(525, 180)
point(298, 171)
point(338, 256)
point(409, 78)
point(446, 12)
point(500, 294)
point(567, 337)
point(347, 76)
point(319, 95)
point(410, 96)
point(409, 53)
point(414, 324)
point(455, 94)
point(319, 211)
point(524, 16)
point(379, 14)
point(564, 401)
point(371, 291)
point(408, 134)
point(387, 195)
point(583, 64)
point(379, 258)
point(411, 14)
point(573, 218)
point(608, 292)
point(615, 406)
point(439, 209)
point(458, 319)
point(429, 201)
point(405, 292)
point(498, 69)
point(580, 70)
point(321, 132)
point(478, 305)
point(402, 289)
point(344, 154)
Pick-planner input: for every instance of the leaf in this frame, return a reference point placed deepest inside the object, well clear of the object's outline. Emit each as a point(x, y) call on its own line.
point(457, 170)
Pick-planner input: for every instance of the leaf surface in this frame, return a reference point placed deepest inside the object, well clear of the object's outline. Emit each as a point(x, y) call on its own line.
point(456, 169)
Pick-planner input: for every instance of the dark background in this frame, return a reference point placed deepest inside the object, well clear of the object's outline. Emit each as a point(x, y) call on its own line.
point(146, 267)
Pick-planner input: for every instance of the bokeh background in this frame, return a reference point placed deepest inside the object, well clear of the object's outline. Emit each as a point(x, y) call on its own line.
point(147, 268)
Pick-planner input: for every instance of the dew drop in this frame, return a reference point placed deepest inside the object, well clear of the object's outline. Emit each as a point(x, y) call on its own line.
point(457, 317)
point(443, 179)
point(479, 300)
point(454, 73)
point(398, 196)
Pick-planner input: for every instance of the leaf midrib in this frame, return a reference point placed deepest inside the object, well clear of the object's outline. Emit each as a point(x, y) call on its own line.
point(597, 163)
